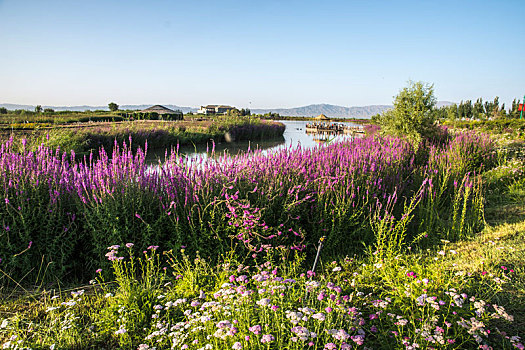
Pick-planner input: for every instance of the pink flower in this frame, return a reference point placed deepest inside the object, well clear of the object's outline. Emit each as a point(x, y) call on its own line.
point(255, 329)
point(267, 338)
point(358, 339)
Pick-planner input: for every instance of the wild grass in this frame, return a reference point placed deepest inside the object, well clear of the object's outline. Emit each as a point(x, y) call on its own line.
point(90, 137)
point(433, 276)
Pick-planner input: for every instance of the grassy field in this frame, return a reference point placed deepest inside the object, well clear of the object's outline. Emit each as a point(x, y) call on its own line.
point(442, 267)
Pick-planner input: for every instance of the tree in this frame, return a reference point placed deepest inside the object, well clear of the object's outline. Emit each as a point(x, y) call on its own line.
point(49, 110)
point(113, 106)
point(3, 110)
point(38, 109)
point(413, 114)
point(465, 109)
point(477, 109)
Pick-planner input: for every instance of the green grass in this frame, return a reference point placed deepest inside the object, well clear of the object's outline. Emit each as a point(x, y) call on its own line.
point(86, 137)
point(488, 267)
point(145, 292)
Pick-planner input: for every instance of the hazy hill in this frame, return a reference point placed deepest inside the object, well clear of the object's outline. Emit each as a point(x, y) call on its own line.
point(328, 110)
point(11, 106)
point(306, 111)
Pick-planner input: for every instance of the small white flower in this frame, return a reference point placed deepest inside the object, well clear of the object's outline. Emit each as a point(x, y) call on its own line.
point(121, 331)
point(336, 269)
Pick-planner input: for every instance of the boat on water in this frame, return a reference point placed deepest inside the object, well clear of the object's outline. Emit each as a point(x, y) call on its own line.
point(332, 128)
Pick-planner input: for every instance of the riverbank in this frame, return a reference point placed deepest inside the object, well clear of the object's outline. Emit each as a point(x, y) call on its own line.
point(83, 138)
point(443, 231)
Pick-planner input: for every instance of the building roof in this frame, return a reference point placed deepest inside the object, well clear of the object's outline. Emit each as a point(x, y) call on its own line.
point(217, 106)
point(322, 117)
point(159, 109)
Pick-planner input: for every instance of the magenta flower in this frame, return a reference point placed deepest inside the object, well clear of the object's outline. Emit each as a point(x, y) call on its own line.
point(267, 338)
point(255, 329)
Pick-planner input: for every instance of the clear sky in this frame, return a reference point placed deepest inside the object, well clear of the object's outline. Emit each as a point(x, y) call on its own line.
point(272, 53)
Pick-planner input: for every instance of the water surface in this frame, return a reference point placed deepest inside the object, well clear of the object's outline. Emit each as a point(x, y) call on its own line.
point(294, 135)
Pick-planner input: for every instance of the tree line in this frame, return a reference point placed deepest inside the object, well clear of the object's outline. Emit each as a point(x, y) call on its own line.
point(479, 110)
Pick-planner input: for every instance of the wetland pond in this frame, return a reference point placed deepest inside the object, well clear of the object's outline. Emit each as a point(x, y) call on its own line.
point(294, 135)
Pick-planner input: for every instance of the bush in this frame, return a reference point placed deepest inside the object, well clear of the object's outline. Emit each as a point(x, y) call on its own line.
point(413, 115)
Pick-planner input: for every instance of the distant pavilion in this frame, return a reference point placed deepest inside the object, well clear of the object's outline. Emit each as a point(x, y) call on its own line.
point(164, 112)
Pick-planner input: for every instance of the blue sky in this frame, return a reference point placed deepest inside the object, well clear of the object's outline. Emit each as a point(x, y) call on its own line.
point(271, 53)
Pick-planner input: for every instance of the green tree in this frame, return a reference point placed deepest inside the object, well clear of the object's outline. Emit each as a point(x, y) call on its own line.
point(413, 115)
point(477, 109)
point(452, 112)
point(3, 110)
point(513, 111)
point(38, 109)
point(113, 106)
point(465, 109)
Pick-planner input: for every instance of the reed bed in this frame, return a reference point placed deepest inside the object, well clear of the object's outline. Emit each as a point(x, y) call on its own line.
point(59, 212)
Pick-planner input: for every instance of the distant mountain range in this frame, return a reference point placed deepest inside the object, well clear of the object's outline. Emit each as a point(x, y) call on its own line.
point(328, 110)
point(306, 111)
point(11, 106)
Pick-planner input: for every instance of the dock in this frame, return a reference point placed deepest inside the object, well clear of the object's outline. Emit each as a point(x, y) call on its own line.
point(332, 128)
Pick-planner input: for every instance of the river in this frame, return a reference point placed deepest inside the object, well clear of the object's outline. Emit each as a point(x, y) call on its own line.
point(294, 135)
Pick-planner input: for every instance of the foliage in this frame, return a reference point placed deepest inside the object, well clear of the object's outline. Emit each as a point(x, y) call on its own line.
point(285, 200)
point(413, 113)
point(113, 107)
point(404, 293)
point(413, 301)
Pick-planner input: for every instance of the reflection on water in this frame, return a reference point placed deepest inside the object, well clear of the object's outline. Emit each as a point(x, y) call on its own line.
point(294, 135)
